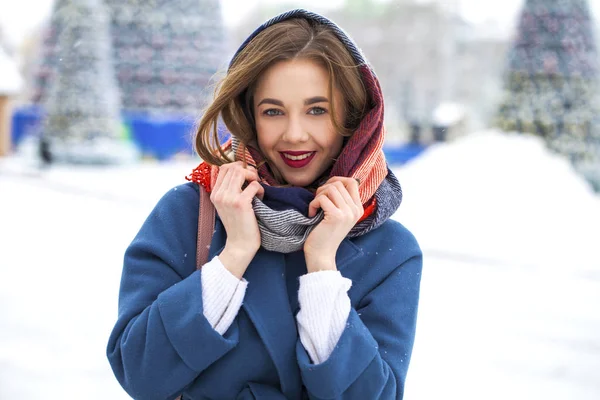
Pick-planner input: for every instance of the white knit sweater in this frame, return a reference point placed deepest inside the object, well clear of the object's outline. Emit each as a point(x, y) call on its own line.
point(323, 299)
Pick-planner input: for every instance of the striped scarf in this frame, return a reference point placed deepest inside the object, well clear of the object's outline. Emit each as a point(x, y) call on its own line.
point(362, 158)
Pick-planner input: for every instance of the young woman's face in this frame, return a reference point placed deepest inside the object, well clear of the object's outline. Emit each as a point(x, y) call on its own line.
point(293, 121)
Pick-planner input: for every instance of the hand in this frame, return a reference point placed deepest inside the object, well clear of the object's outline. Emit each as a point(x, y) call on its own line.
point(234, 207)
point(340, 201)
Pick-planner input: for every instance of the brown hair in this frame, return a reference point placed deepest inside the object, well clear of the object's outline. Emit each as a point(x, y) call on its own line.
point(287, 40)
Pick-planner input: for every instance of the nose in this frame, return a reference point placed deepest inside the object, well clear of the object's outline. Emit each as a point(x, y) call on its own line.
point(295, 132)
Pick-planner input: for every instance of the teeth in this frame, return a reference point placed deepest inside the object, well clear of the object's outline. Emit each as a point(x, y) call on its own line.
point(296, 158)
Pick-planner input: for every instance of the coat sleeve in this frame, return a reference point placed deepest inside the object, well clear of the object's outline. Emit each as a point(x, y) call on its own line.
point(371, 358)
point(162, 341)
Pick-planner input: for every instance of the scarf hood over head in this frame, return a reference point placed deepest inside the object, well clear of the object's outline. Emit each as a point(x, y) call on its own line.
point(282, 212)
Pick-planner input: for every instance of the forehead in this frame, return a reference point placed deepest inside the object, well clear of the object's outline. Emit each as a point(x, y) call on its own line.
point(293, 78)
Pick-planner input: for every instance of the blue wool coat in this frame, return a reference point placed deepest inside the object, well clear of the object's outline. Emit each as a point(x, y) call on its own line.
point(163, 346)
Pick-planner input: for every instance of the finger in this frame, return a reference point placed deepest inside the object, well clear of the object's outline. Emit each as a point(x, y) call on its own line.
point(351, 185)
point(328, 207)
point(243, 175)
point(351, 206)
point(238, 178)
point(335, 194)
point(261, 192)
point(314, 206)
point(325, 189)
point(220, 177)
point(251, 174)
point(354, 193)
point(329, 182)
point(343, 189)
point(223, 180)
point(354, 202)
point(336, 179)
point(333, 197)
point(253, 189)
point(321, 189)
point(224, 170)
point(348, 182)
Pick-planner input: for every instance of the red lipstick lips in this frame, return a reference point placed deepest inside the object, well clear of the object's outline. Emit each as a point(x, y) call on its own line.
point(297, 163)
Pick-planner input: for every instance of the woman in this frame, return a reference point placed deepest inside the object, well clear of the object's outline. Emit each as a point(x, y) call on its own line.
point(310, 290)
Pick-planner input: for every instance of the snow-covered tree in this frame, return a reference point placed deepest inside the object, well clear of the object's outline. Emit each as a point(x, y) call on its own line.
point(48, 57)
point(167, 52)
point(82, 122)
point(552, 81)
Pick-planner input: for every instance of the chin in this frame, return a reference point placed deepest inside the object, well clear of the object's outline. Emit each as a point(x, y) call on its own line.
point(298, 180)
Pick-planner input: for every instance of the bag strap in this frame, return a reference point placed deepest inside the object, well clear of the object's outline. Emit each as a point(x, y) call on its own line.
point(206, 227)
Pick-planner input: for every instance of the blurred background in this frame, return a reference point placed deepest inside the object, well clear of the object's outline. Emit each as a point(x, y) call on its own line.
point(493, 117)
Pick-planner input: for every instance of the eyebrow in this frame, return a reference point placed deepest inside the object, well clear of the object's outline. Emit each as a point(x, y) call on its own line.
point(316, 99)
point(307, 102)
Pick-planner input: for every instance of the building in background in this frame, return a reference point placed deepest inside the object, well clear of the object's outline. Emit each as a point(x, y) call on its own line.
point(410, 45)
point(480, 61)
point(426, 56)
point(10, 86)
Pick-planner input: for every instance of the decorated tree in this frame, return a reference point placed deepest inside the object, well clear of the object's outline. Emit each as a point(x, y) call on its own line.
point(552, 82)
point(167, 52)
point(49, 57)
point(82, 122)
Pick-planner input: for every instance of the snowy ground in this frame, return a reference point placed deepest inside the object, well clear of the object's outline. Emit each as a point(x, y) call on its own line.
point(510, 294)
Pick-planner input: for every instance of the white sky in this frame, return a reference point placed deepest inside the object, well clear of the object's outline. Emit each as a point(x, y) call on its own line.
point(17, 17)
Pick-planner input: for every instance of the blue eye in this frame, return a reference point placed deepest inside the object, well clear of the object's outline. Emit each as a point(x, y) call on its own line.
point(272, 112)
point(317, 111)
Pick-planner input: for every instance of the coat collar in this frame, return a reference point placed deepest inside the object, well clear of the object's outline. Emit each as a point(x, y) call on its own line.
point(267, 304)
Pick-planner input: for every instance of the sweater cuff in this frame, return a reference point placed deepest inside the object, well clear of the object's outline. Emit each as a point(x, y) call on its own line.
point(324, 310)
point(222, 294)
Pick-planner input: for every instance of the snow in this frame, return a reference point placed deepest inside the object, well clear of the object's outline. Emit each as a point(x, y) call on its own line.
point(448, 114)
point(511, 280)
point(510, 291)
point(502, 198)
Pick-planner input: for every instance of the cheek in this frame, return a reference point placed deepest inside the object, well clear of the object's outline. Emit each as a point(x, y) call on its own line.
point(322, 129)
point(266, 136)
point(336, 145)
point(331, 139)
